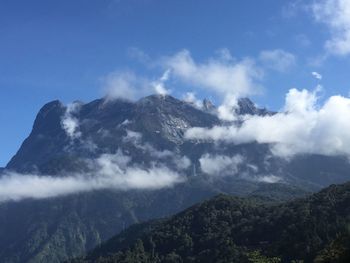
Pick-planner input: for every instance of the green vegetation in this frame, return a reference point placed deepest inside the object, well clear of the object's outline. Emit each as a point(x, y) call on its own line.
point(232, 229)
point(56, 229)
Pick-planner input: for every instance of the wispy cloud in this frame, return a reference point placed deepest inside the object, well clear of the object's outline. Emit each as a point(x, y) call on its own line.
point(139, 55)
point(220, 165)
point(125, 85)
point(159, 85)
point(316, 75)
point(131, 86)
point(277, 59)
point(70, 123)
point(335, 14)
point(190, 97)
point(180, 162)
point(270, 179)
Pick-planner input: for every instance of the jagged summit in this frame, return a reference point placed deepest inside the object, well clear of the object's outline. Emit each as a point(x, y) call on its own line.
point(246, 106)
point(161, 119)
point(157, 100)
point(208, 105)
point(64, 135)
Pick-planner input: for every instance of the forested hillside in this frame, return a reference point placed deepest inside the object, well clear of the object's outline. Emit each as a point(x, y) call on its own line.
point(231, 229)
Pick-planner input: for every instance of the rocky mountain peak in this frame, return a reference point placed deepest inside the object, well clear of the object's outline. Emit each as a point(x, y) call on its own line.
point(158, 100)
point(208, 105)
point(49, 116)
point(246, 106)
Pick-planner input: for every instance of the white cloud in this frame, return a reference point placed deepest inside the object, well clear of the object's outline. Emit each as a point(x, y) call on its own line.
point(132, 136)
point(159, 85)
point(125, 85)
point(220, 165)
point(136, 139)
point(270, 179)
point(110, 171)
point(190, 97)
point(277, 59)
point(70, 123)
point(304, 127)
point(316, 75)
point(129, 86)
point(226, 78)
point(335, 14)
point(182, 163)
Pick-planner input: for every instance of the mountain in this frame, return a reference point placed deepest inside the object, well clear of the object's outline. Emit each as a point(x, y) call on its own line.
point(162, 121)
point(232, 229)
point(246, 106)
point(145, 134)
point(102, 126)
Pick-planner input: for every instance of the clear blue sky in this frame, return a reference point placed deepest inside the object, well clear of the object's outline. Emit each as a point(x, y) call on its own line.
point(61, 49)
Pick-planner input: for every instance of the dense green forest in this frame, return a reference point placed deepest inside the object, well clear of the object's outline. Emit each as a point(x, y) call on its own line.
point(232, 229)
point(56, 229)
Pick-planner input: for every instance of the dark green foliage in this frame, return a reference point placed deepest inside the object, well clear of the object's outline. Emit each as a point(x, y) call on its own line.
point(231, 229)
point(337, 251)
point(52, 230)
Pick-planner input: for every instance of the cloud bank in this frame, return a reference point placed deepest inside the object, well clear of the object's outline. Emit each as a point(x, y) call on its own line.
point(110, 171)
point(304, 127)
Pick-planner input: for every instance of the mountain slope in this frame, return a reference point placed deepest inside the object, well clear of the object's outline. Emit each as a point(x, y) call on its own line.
point(231, 229)
point(102, 125)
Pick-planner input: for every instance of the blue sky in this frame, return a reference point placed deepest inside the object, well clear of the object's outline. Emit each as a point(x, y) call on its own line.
point(65, 49)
